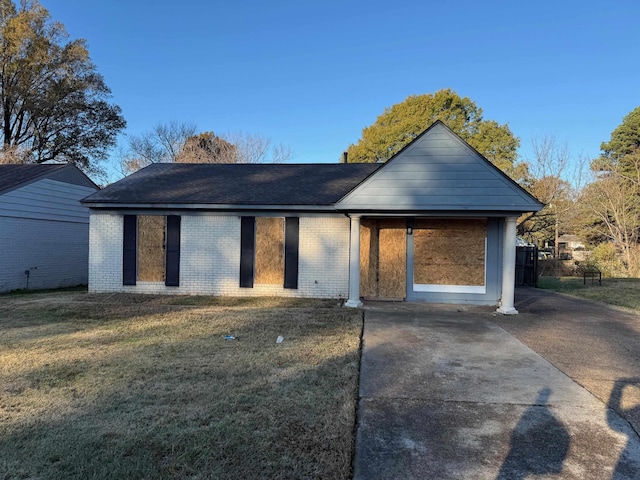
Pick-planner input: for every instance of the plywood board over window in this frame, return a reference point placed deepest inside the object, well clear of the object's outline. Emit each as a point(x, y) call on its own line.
point(269, 251)
point(449, 252)
point(151, 248)
point(383, 252)
point(368, 257)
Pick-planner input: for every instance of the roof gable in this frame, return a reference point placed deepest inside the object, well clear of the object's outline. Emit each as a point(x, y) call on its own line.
point(16, 176)
point(13, 176)
point(438, 171)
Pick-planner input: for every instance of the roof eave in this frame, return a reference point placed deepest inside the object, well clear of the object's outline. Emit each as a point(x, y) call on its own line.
point(449, 210)
point(208, 206)
point(443, 209)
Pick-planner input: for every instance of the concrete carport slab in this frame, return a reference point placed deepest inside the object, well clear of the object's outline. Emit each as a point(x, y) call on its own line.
point(445, 393)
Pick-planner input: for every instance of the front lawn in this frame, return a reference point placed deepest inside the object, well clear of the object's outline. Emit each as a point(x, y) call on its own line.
point(624, 292)
point(129, 386)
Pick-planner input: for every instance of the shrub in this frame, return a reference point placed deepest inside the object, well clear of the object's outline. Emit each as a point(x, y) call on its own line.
point(606, 258)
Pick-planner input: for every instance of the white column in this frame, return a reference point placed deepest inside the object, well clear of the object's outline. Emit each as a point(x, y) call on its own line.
point(354, 264)
point(508, 267)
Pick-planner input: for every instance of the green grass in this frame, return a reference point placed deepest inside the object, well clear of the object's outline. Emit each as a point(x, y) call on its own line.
point(127, 386)
point(623, 292)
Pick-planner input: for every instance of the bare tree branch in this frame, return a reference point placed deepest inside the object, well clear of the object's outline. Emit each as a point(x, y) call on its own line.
point(178, 142)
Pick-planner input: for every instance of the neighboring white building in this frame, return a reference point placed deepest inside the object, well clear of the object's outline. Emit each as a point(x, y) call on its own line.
point(571, 247)
point(436, 223)
point(44, 230)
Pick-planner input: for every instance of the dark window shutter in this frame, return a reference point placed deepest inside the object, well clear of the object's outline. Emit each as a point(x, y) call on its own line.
point(291, 240)
point(247, 247)
point(129, 250)
point(172, 278)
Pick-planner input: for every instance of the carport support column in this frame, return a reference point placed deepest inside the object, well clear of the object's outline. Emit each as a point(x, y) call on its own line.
point(508, 267)
point(354, 264)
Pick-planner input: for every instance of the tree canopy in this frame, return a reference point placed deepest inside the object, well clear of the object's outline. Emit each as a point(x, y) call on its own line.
point(611, 203)
point(625, 139)
point(207, 147)
point(399, 124)
point(178, 142)
point(53, 103)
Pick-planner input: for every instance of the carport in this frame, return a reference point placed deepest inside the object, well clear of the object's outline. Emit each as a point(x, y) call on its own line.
point(436, 223)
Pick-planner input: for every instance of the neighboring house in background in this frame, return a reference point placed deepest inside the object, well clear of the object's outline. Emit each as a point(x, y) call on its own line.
point(434, 223)
point(571, 247)
point(44, 230)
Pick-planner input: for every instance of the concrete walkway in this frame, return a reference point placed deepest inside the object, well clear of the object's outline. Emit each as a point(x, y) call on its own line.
point(447, 393)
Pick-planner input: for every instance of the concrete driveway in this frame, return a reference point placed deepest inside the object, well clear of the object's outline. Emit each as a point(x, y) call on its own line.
point(452, 393)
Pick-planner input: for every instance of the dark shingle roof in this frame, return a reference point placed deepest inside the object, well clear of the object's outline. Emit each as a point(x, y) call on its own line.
point(13, 175)
point(236, 184)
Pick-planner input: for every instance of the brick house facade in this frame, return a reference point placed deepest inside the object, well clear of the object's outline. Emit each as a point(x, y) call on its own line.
point(436, 223)
point(209, 246)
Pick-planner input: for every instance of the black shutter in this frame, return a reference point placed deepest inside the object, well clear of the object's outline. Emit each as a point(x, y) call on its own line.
point(247, 247)
point(129, 250)
point(172, 278)
point(291, 236)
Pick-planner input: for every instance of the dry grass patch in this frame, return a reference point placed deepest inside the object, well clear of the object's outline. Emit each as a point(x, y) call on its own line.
point(127, 386)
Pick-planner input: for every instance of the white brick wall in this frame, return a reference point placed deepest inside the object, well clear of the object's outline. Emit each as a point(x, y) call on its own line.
point(210, 258)
point(105, 252)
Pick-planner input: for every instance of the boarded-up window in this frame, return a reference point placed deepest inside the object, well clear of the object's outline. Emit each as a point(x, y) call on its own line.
point(151, 248)
point(383, 255)
point(269, 251)
point(368, 258)
point(449, 252)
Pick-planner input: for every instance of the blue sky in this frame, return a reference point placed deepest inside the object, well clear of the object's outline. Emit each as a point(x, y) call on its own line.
point(311, 75)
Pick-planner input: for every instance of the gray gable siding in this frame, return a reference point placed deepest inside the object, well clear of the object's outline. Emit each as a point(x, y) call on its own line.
point(15, 176)
point(70, 174)
point(438, 171)
point(44, 230)
point(54, 253)
point(47, 200)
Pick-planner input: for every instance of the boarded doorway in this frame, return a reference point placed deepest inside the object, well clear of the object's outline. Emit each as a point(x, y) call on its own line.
point(383, 259)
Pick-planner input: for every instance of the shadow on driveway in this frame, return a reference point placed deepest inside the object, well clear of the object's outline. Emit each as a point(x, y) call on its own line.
point(461, 392)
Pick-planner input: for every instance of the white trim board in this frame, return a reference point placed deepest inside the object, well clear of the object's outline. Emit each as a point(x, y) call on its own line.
point(417, 287)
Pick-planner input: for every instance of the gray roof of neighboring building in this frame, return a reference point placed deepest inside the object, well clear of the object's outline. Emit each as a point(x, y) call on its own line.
point(12, 176)
point(235, 184)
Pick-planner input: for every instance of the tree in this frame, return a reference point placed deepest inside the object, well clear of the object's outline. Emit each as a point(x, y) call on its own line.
point(625, 139)
point(546, 181)
point(53, 103)
point(178, 142)
point(401, 123)
point(613, 201)
point(255, 148)
point(161, 144)
point(207, 147)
